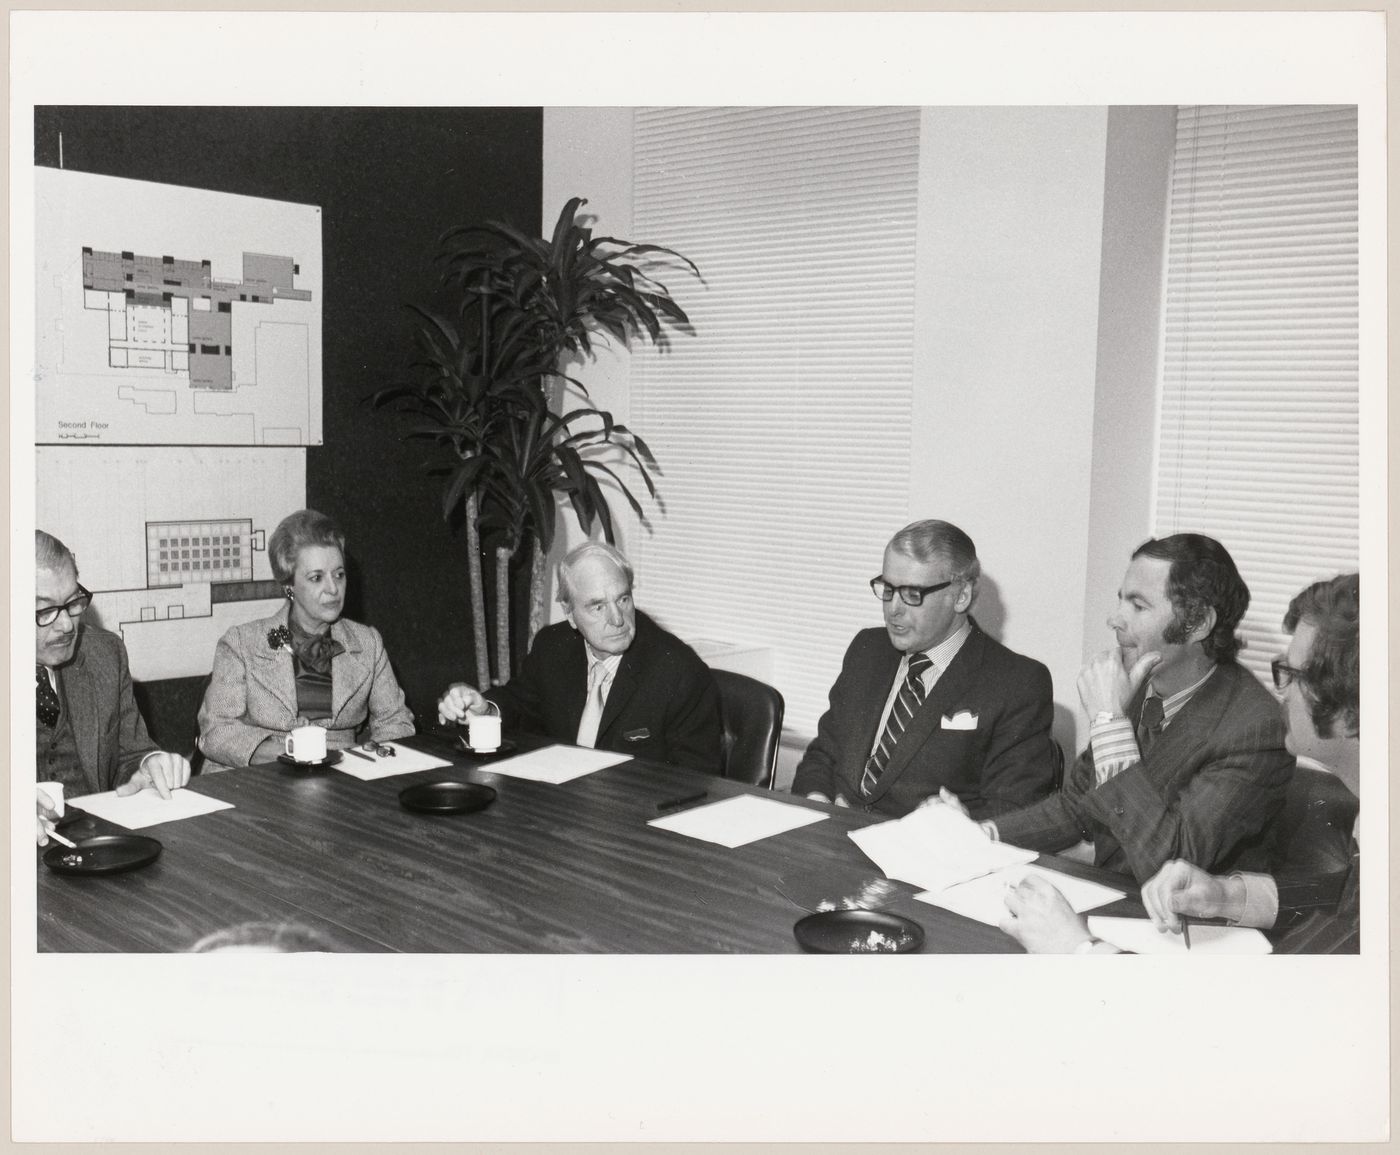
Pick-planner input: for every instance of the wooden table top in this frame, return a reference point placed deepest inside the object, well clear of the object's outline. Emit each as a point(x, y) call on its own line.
point(572, 868)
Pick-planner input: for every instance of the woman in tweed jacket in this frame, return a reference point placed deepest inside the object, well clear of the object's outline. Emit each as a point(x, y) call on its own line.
point(303, 665)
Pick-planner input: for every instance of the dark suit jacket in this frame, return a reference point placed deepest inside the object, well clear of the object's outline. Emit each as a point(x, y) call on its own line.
point(1005, 761)
point(107, 727)
point(663, 703)
point(1307, 924)
point(1206, 791)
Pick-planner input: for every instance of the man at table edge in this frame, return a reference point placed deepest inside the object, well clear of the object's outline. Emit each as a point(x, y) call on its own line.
point(607, 677)
point(1186, 750)
point(931, 701)
point(89, 735)
point(1320, 680)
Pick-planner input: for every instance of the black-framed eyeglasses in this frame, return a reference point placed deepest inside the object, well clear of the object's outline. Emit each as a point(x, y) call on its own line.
point(909, 595)
point(1284, 674)
point(73, 608)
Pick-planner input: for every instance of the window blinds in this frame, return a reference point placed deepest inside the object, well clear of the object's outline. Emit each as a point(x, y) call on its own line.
point(782, 425)
point(1258, 430)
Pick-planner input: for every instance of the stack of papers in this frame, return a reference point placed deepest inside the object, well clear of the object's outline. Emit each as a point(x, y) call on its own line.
point(556, 764)
point(984, 899)
point(405, 761)
point(1141, 936)
point(739, 820)
point(936, 847)
point(147, 808)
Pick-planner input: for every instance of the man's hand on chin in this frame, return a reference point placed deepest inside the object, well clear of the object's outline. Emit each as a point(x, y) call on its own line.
point(1105, 687)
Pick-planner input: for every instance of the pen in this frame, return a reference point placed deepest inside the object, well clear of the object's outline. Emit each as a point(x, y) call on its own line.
point(676, 802)
point(1186, 931)
point(351, 750)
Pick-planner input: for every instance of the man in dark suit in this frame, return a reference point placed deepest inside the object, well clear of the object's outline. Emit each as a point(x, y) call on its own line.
point(607, 677)
point(930, 702)
point(1186, 754)
point(89, 735)
point(1320, 680)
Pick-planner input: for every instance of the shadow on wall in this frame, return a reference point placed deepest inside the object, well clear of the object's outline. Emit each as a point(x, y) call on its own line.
point(989, 609)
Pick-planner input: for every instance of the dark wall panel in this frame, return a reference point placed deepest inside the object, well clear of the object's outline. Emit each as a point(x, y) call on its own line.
point(389, 182)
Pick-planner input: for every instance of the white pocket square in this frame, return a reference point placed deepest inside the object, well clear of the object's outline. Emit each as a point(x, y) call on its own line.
point(962, 720)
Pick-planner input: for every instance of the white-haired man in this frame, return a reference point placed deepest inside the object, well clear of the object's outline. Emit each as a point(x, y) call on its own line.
point(607, 677)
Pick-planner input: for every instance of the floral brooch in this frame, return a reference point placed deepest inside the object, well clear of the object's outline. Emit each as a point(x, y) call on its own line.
point(279, 638)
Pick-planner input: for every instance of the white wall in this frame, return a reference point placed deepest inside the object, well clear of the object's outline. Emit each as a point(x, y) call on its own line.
point(1011, 204)
point(1136, 184)
point(1020, 347)
point(588, 153)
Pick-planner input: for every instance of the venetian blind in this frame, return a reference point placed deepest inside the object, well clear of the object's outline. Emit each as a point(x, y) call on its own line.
point(1258, 432)
point(782, 425)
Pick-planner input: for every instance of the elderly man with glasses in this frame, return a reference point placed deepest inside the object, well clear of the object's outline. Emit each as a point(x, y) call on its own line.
point(931, 703)
point(89, 734)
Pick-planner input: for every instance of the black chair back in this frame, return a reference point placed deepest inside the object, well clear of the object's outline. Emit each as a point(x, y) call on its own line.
point(1312, 833)
point(170, 707)
point(751, 714)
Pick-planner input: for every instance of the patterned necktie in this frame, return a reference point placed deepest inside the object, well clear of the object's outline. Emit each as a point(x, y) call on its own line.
point(1150, 722)
point(48, 700)
point(593, 706)
point(911, 697)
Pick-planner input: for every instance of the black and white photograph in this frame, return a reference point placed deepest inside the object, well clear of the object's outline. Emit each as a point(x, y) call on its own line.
point(548, 524)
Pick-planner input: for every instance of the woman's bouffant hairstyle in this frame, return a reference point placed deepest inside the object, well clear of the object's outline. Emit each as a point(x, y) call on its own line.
point(294, 533)
point(1331, 677)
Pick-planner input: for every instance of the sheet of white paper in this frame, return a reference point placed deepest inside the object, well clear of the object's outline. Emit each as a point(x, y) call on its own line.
point(556, 764)
point(1140, 936)
point(148, 808)
point(985, 898)
point(935, 847)
point(739, 820)
point(405, 761)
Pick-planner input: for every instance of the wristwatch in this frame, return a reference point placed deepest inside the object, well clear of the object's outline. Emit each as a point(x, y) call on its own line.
point(1104, 716)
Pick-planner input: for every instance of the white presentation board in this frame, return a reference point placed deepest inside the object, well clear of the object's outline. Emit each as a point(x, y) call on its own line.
point(171, 541)
point(174, 316)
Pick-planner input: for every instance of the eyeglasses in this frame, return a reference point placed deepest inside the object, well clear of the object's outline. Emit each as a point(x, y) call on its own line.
point(1284, 674)
point(909, 595)
point(380, 750)
point(74, 609)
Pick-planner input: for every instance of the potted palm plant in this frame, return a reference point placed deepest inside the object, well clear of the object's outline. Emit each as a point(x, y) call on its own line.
point(488, 386)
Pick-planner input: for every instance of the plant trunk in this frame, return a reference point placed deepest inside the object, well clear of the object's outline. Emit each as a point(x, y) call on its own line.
point(539, 604)
point(480, 641)
point(539, 570)
point(502, 615)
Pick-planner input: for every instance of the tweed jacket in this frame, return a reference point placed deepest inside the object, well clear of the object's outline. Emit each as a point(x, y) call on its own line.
point(1206, 791)
point(1002, 760)
point(95, 689)
point(252, 692)
point(663, 703)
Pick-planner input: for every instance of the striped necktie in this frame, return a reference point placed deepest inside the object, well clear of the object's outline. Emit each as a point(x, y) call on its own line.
point(911, 697)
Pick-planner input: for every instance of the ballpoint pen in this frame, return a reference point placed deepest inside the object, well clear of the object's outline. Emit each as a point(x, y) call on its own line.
point(358, 754)
point(1186, 931)
point(678, 802)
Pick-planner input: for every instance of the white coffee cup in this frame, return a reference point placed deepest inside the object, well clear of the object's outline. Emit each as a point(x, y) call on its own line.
point(484, 731)
point(306, 744)
point(54, 792)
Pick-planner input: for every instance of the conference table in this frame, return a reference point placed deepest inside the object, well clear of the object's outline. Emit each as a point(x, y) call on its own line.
point(568, 868)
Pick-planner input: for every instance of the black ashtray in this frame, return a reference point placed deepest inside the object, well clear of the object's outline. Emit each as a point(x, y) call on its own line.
point(447, 797)
point(858, 932)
